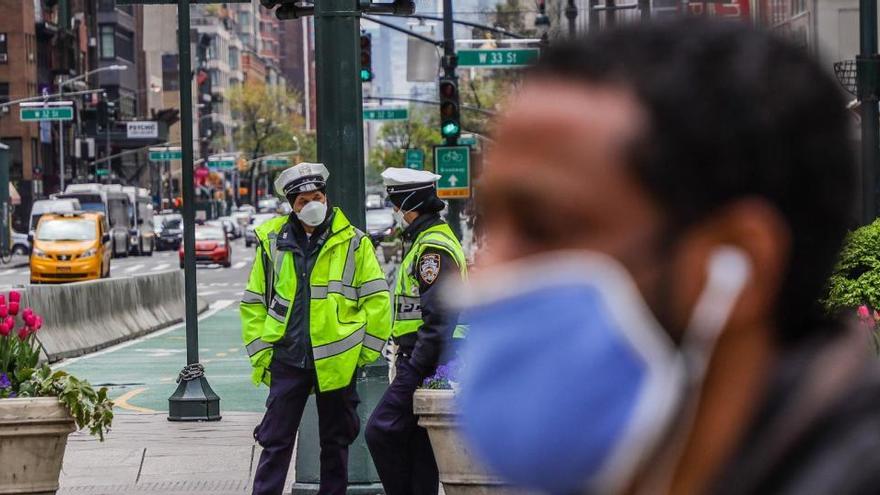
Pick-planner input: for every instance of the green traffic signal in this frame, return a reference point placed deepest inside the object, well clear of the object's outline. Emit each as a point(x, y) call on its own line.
point(450, 129)
point(366, 75)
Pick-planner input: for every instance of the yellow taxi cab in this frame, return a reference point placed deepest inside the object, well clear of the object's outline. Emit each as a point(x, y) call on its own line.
point(70, 247)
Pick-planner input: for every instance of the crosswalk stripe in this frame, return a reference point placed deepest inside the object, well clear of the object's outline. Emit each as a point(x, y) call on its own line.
point(26, 271)
point(8, 272)
point(133, 268)
point(239, 265)
point(160, 266)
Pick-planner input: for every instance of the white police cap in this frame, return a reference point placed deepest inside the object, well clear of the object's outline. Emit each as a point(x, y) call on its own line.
point(302, 177)
point(406, 179)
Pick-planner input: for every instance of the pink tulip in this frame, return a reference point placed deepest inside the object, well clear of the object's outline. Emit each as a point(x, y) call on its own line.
point(863, 312)
point(27, 311)
point(5, 329)
point(23, 333)
point(29, 319)
point(4, 311)
point(10, 322)
point(39, 323)
point(14, 296)
point(13, 308)
point(2, 300)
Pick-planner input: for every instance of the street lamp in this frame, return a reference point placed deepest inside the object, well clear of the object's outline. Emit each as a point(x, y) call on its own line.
point(61, 85)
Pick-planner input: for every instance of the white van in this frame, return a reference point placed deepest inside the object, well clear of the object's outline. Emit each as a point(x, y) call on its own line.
point(43, 206)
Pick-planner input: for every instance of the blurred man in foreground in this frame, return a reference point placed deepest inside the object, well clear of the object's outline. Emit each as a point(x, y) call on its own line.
point(661, 227)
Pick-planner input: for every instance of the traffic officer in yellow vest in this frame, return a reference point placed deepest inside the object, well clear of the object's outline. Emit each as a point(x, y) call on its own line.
point(316, 308)
point(423, 329)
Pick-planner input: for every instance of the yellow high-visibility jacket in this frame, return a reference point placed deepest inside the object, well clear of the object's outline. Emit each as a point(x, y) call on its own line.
point(349, 308)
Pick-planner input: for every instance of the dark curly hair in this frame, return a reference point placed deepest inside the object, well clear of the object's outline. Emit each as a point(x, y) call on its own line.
point(733, 112)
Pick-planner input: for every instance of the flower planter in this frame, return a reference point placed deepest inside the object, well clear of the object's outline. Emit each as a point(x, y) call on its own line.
point(460, 473)
point(33, 435)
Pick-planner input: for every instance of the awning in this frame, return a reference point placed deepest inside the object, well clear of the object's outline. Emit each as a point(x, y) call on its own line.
point(14, 198)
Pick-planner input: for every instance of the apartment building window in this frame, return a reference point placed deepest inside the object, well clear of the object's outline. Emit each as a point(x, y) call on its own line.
point(215, 79)
point(125, 45)
point(4, 93)
point(4, 52)
point(170, 72)
point(108, 42)
point(233, 58)
point(798, 6)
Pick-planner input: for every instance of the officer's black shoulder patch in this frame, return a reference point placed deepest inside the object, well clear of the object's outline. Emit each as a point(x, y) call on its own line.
point(429, 267)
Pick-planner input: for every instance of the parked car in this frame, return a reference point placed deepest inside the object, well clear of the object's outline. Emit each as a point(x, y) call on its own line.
point(268, 205)
point(169, 231)
point(380, 224)
point(212, 246)
point(242, 218)
point(70, 247)
point(250, 238)
point(234, 229)
point(140, 212)
point(374, 201)
point(20, 244)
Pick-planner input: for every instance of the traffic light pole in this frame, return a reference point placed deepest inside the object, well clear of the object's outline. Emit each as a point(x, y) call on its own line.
point(868, 73)
point(450, 62)
point(340, 110)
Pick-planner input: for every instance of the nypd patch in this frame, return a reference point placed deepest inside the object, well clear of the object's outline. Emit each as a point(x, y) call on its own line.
point(429, 267)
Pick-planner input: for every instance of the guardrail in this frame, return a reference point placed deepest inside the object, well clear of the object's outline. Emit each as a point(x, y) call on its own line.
point(83, 317)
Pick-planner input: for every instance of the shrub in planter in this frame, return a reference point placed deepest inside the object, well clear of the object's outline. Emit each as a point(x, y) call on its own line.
point(854, 285)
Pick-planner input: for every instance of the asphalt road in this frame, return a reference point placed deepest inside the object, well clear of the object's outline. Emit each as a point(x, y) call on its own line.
point(214, 282)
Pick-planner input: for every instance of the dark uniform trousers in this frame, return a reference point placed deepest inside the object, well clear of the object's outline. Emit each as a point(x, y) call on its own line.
point(338, 426)
point(400, 447)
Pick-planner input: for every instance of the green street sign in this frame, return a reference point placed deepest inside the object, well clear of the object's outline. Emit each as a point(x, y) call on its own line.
point(165, 155)
point(277, 162)
point(386, 114)
point(221, 164)
point(498, 58)
point(38, 114)
point(415, 159)
point(102, 172)
point(453, 164)
point(468, 140)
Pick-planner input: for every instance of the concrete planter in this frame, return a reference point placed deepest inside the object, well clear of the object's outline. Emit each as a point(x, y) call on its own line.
point(33, 435)
point(460, 473)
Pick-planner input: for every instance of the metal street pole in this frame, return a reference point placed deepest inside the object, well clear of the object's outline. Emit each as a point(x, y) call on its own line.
point(450, 62)
point(5, 220)
point(340, 125)
point(868, 84)
point(194, 400)
point(61, 151)
point(571, 13)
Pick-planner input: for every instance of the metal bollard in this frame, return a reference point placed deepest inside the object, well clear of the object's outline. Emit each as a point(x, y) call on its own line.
point(362, 477)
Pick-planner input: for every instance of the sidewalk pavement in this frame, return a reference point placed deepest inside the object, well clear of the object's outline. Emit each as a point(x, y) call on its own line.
point(146, 453)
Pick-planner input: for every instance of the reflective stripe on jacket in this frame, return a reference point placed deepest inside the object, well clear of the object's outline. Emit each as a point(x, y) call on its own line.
point(349, 310)
point(407, 300)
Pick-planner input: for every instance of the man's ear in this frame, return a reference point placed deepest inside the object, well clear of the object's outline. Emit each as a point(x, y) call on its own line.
point(759, 230)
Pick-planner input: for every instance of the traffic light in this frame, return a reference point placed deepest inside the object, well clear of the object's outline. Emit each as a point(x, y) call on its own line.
point(366, 57)
point(450, 116)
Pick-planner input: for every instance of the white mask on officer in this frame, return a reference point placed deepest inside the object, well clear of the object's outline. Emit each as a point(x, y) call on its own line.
point(313, 213)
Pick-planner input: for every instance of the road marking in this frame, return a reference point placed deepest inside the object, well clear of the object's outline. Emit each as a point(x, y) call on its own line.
point(122, 402)
point(208, 292)
point(8, 272)
point(24, 272)
point(239, 265)
point(161, 266)
point(233, 349)
point(215, 308)
point(221, 354)
point(134, 268)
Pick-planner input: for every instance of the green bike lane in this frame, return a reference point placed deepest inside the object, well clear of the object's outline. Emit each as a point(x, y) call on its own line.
point(142, 374)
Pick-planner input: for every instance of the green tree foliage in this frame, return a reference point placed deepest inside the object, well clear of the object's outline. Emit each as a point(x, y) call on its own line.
point(422, 131)
point(269, 122)
point(856, 279)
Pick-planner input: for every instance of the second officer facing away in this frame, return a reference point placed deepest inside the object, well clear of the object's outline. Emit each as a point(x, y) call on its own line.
point(423, 329)
point(316, 308)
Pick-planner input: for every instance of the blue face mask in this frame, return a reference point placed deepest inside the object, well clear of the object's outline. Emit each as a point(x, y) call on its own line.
point(569, 381)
